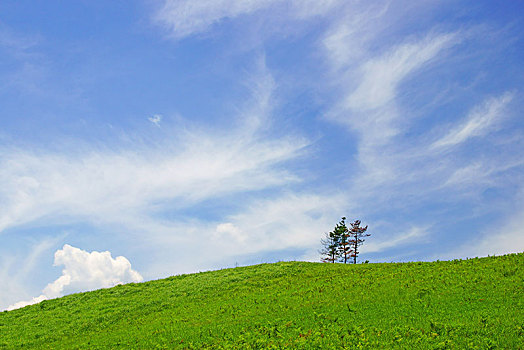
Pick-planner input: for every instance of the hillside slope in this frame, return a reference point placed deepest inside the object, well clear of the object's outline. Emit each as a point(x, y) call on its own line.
point(476, 303)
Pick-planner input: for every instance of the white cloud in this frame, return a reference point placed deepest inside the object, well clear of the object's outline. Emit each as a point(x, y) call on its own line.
point(179, 170)
point(347, 41)
point(106, 185)
point(465, 175)
point(85, 271)
point(370, 72)
point(187, 17)
point(368, 102)
point(289, 221)
point(503, 237)
point(399, 167)
point(381, 76)
point(414, 235)
point(369, 79)
point(480, 121)
point(263, 225)
point(155, 119)
point(21, 304)
point(16, 269)
point(184, 18)
point(228, 230)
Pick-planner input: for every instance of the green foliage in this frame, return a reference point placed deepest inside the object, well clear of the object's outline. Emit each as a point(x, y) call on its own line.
point(470, 304)
point(342, 243)
point(332, 242)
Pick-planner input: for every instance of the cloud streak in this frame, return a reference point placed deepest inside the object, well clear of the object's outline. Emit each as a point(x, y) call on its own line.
point(479, 122)
point(183, 168)
point(187, 17)
point(381, 76)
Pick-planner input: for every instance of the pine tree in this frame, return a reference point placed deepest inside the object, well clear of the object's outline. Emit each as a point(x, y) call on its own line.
point(329, 249)
point(341, 245)
point(344, 246)
point(357, 235)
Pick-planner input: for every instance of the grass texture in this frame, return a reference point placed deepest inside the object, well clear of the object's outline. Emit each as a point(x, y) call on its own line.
point(461, 304)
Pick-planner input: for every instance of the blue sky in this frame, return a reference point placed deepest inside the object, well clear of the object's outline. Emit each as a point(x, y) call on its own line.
point(142, 139)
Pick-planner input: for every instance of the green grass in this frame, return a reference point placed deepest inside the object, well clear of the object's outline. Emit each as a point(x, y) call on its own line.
point(461, 304)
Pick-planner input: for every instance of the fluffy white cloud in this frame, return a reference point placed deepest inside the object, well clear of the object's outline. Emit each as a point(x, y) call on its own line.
point(21, 304)
point(84, 271)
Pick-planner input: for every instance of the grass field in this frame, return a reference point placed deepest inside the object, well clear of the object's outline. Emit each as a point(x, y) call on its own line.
point(461, 304)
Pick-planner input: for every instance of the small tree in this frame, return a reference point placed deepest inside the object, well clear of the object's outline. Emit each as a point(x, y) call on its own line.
point(342, 243)
point(329, 249)
point(357, 235)
point(344, 246)
point(333, 241)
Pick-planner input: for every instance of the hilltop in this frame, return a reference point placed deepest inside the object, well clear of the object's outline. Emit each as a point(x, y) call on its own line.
point(475, 303)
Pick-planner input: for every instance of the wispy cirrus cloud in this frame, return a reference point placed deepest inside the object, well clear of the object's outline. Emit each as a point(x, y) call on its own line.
point(399, 165)
point(370, 104)
point(381, 76)
point(186, 17)
point(419, 140)
point(414, 235)
point(16, 270)
point(105, 184)
point(479, 121)
point(182, 168)
point(285, 225)
point(495, 238)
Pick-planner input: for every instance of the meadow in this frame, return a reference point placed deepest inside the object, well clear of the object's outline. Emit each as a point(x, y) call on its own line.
point(460, 304)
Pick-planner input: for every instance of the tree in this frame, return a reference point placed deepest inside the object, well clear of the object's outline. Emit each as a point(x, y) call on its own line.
point(341, 244)
point(357, 235)
point(344, 246)
point(329, 249)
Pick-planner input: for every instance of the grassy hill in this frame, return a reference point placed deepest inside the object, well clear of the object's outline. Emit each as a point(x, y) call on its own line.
point(475, 304)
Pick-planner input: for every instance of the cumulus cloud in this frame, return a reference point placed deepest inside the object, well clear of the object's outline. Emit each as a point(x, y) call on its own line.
point(84, 271)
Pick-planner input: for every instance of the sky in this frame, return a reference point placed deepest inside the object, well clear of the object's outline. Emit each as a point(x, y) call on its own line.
point(143, 139)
